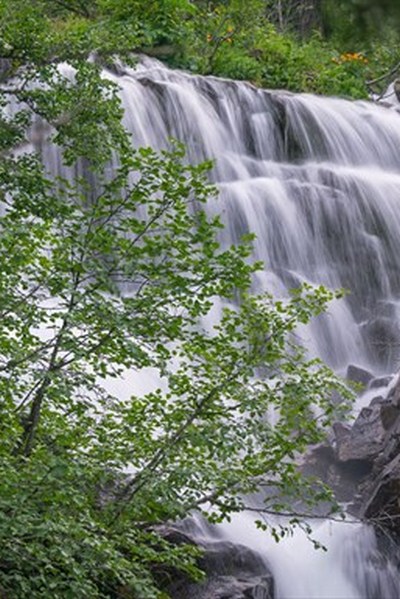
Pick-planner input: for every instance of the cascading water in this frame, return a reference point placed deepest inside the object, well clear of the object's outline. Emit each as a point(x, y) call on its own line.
point(318, 181)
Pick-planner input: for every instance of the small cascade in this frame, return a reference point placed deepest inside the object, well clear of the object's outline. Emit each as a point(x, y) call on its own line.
point(318, 181)
point(352, 567)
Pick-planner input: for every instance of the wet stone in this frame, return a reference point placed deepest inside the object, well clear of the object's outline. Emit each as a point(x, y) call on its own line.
point(382, 381)
point(358, 375)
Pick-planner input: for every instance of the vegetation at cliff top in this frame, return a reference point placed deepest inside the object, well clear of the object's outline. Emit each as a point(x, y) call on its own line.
point(324, 47)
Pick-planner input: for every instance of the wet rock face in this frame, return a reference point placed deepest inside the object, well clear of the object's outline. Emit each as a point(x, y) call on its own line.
point(364, 440)
point(382, 497)
point(361, 463)
point(381, 490)
point(372, 447)
point(382, 337)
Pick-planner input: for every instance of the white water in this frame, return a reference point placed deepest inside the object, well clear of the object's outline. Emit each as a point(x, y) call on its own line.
point(351, 568)
point(318, 181)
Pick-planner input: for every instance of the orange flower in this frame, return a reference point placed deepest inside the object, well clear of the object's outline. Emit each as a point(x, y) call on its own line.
point(352, 56)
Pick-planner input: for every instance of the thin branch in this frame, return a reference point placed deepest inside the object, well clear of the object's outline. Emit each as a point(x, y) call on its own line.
point(387, 75)
point(305, 516)
point(28, 438)
point(13, 363)
point(27, 396)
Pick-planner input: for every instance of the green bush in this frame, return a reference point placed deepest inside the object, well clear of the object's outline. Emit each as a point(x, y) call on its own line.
point(233, 63)
point(219, 42)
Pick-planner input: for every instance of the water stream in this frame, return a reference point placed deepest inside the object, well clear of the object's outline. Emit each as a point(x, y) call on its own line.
point(318, 181)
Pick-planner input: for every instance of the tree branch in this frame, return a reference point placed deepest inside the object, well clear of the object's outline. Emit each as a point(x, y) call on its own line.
point(138, 481)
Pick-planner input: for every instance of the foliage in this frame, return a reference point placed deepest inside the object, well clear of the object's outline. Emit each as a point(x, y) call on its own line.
point(107, 276)
point(270, 44)
point(268, 58)
point(363, 21)
point(226, 42)
point(67, 327)
point(295, 45)
point(53, 30)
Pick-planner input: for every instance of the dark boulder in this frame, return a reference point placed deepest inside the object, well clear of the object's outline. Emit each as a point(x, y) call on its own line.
point(358, 375)
point(381, 381)
point(232, 571)
point(342, 477)
point(227, 587)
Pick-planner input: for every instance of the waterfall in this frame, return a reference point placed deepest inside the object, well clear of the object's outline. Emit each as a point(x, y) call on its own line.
point(318, 181)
